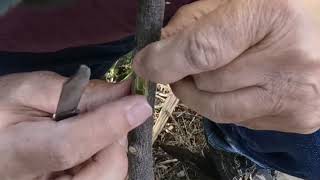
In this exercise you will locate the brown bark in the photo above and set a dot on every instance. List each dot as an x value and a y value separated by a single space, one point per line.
149 24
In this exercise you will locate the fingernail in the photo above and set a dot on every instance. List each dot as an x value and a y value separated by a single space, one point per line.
138 113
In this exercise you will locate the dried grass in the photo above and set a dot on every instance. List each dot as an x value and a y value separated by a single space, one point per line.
183 129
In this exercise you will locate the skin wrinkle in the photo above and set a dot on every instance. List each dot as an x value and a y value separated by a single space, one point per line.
202 54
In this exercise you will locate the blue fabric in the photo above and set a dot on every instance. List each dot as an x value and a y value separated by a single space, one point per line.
294 154
298 155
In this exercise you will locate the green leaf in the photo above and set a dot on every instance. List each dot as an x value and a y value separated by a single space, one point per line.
121 70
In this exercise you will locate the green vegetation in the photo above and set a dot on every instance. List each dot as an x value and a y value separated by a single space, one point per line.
122 70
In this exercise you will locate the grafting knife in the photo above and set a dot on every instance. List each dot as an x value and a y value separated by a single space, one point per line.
71 93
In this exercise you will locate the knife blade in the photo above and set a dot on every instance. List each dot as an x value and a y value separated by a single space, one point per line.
71 93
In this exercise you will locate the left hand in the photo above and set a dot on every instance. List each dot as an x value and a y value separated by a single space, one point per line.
89 146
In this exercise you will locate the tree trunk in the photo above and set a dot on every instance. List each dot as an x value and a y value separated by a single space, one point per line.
149 24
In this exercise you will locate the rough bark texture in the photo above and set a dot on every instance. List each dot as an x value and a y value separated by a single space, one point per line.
149 24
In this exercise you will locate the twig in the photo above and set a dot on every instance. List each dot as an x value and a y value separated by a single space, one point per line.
168 161
168 107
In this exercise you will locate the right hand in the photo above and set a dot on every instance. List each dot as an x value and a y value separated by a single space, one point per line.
253 63
85 147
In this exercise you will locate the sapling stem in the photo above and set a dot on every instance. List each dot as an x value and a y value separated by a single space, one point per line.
140 86
149 24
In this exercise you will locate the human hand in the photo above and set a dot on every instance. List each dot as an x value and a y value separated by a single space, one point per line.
252 63
189 14
85 147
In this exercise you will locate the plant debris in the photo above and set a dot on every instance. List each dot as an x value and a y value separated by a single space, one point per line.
183 129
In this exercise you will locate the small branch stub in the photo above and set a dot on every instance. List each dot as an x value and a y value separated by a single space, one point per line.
132 150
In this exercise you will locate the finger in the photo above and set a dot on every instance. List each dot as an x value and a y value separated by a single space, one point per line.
230 107
241 73
189 14
39 90
80 137
99 92
58 146
26 90
210 43
29 98
110 163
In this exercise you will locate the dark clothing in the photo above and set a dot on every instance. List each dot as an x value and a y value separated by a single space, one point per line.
294 154
65 62
80 23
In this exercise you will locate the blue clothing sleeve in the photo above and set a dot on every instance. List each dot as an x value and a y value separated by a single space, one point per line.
294 154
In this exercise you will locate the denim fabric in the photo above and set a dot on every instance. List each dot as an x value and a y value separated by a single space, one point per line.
297 155
294 154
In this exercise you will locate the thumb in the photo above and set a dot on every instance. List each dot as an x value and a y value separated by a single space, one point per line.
212 42
68 143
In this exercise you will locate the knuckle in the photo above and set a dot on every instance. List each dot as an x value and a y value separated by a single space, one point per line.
276 104
201 52
297 94
151 58
283 88
272 104
220 114
274 96
303 87
308 88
